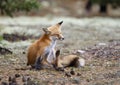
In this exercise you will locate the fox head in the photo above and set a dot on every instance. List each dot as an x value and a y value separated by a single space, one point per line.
55 30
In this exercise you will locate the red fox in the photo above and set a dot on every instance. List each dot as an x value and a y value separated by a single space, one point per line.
43 50
66 61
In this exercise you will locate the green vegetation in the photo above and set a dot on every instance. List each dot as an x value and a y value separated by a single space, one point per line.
9 7
1 38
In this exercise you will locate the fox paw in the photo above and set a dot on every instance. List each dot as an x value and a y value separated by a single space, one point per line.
60 69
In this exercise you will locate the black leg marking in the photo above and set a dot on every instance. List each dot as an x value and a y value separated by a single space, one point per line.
57 53
38 65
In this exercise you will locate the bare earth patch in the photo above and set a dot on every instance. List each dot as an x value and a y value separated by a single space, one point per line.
94 40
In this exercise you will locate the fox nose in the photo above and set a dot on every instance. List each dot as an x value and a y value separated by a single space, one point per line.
62 38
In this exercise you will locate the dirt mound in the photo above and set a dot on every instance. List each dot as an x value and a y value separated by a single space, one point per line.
17 37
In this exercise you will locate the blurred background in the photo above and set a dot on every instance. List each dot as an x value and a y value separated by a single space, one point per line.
94 19
71 8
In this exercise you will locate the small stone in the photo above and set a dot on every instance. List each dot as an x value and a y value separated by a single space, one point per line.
78 74
14 80
76 81
67 74
28 79
88 80
23 52
72 72
17 75
10 78
24 79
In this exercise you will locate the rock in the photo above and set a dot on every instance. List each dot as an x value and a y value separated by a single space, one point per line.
24 79
82 62
80 51
76 81
67 74
10 78
28 79
72 72
88 80
14 80
78 74
17 75
24 52
102 44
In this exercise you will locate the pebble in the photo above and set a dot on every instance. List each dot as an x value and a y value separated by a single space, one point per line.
24 52
72 72
67 74
24 79
78 74
76 80
14 80
10 78
17 75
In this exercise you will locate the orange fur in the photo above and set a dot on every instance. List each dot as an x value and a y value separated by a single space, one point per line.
39 46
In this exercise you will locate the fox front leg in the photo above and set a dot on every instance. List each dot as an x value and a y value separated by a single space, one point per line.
38 64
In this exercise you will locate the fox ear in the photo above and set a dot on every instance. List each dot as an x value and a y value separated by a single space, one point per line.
57 53
46 31
60 22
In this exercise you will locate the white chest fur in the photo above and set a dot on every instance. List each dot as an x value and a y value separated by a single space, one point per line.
50 51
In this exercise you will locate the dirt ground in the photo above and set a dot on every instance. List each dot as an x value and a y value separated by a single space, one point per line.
95 39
